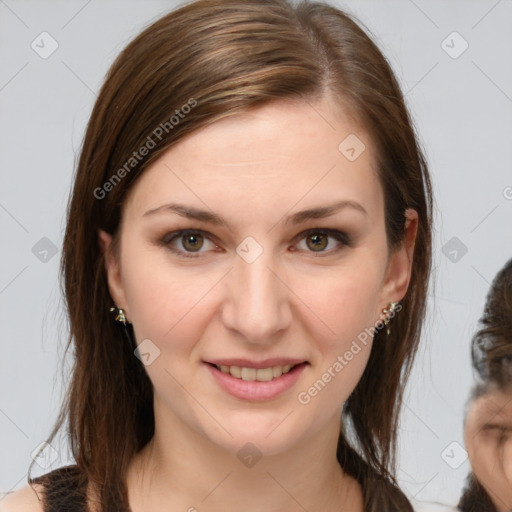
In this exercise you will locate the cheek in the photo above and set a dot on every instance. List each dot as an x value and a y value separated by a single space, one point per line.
489 463
477 444
165 302
346 306
346 300
491 472
171 303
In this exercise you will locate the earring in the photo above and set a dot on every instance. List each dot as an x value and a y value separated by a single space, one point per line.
389 313
121 317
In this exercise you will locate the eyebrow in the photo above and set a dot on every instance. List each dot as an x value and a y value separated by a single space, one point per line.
497 426
320 212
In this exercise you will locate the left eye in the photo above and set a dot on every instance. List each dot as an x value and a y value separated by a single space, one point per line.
317 240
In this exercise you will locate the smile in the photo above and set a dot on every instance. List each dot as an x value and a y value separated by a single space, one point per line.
259 374
247 386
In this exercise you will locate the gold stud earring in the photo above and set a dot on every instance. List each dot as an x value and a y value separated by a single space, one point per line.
389 313
121 317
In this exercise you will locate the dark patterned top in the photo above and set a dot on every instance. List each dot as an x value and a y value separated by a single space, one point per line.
62 490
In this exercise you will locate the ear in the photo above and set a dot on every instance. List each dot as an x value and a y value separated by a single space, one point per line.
113 271
398 273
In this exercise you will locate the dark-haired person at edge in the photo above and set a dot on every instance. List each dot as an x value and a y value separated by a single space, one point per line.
488 423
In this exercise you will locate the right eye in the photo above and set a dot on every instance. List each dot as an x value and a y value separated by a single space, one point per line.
192 241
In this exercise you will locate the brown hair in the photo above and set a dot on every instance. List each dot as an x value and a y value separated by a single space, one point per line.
224 57
491 346
491 355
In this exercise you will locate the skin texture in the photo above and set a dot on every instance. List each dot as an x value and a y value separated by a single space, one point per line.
254 170
488 438
25 499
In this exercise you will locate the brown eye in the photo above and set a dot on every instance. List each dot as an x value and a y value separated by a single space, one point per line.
188 243
317 241
192 242
323 241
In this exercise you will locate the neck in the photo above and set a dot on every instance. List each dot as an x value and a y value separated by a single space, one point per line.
185 469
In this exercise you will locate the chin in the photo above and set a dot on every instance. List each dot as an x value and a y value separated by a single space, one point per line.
263 437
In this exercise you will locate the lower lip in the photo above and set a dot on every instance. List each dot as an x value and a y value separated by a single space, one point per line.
256 391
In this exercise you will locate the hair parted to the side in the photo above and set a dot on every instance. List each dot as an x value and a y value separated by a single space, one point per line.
226 57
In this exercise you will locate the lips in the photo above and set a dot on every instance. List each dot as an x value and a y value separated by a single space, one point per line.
254 390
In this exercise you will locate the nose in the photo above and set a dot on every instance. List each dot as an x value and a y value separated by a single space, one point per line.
257 303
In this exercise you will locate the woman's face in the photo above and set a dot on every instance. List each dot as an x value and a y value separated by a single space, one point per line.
264 283
488 437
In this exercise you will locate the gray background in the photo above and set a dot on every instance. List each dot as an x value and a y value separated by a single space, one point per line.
463 112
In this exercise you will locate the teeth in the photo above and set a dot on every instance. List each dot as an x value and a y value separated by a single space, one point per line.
235 371
252 374
249 373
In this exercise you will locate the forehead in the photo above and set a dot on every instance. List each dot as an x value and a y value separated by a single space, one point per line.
496 404
272 157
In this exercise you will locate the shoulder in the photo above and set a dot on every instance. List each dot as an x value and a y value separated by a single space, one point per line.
26 499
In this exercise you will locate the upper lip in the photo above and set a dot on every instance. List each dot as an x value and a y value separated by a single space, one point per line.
246 363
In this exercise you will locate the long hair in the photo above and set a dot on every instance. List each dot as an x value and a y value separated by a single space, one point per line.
205 61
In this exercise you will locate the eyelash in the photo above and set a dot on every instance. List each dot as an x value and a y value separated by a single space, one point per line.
504 434
340 236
